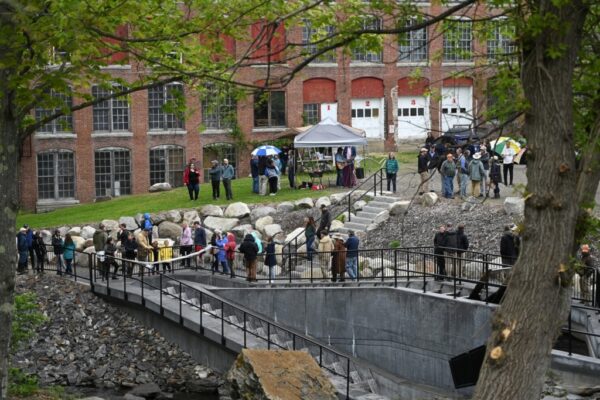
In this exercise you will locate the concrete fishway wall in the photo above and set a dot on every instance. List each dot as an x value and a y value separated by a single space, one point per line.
402 331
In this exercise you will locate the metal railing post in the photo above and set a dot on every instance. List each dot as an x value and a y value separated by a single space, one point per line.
424 275
201 313
347 378
143 299
396 268
75 266
245 330
91 267
222 323
268 336
570 335
180 305
381 183
348 210
487 281
160 287
320 356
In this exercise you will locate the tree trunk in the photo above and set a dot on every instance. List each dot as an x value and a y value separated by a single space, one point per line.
9 204
537 301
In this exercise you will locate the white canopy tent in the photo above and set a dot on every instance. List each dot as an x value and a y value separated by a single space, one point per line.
329 133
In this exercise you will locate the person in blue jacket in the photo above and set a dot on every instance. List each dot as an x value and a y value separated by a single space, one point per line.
222 254
69 254
147 226
352 244
23 251
270 258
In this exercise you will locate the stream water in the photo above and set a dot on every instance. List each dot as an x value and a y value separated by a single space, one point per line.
109 394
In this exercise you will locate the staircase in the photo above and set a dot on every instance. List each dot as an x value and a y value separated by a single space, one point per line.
362 384
374 213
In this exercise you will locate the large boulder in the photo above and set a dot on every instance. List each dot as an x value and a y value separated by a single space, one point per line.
242 230
79 242
160 187
336 225
237 210
110 225
323 201
429 199
272 230
82 259
262 222
75 231
64 230
336 198
190 217
399 207
514 206
139 219
305 203
211 210
129 222
146 390
296 236
285 207
277 374
158 218
381 217
46 236
87 232
168 229
173 216
222 224
261 211
359 205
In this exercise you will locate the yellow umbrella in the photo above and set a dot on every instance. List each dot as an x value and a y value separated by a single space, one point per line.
500 144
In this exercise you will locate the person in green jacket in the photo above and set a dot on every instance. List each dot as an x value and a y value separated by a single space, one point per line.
391 169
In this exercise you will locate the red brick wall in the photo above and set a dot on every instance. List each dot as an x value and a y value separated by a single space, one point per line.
318 90
369 87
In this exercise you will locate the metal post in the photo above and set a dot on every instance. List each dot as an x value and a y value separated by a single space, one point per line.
91 267
424 277
349 213
570 335
312 254
293 342
143 299
245 329
381 183
180 305
201 313
290 265
382 267
268 336
347 378
454 276
396 268
160 287
487 281
222 323
75 267
320 356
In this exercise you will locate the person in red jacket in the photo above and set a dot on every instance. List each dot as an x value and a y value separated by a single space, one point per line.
230 252
191 178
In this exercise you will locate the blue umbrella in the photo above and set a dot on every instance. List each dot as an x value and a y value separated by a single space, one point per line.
266 150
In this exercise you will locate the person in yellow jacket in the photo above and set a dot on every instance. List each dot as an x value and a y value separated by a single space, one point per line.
144 247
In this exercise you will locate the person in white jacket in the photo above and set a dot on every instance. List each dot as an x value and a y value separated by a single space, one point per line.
508 157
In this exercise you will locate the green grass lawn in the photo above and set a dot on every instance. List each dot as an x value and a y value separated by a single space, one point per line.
178 198
163 201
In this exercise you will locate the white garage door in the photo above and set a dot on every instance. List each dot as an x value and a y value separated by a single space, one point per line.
367 114
413 117
456 107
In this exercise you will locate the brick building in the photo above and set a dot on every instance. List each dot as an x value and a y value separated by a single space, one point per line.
123 146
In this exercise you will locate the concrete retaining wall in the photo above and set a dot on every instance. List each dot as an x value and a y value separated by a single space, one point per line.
402 331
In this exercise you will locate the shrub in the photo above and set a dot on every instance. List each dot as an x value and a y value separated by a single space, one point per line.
394 244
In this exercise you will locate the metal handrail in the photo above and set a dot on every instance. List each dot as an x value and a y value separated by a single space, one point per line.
243 325
349 196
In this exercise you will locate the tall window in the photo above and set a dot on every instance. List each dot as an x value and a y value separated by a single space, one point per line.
361 53
113 172
110 115
56 175
412 45
501 43
311 113
58 101
458 40
311 38
269 109
167 165
162 107
218 108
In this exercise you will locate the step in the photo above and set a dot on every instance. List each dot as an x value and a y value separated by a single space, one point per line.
365 214
374 210
355 226
379 204
386 199
360 220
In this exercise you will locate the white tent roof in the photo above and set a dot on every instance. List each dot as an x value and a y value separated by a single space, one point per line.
329 133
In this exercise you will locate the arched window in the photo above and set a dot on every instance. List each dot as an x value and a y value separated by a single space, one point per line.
113 171
167 164
56 175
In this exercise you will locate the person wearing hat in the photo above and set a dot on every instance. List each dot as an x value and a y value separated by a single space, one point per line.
423 170
585 274
495 176
214 173
476 173
338 259
351 245
23 251
325 222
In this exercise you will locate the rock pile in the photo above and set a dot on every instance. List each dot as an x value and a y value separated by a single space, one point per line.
87 342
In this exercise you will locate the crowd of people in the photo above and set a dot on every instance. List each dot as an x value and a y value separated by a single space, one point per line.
476 170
